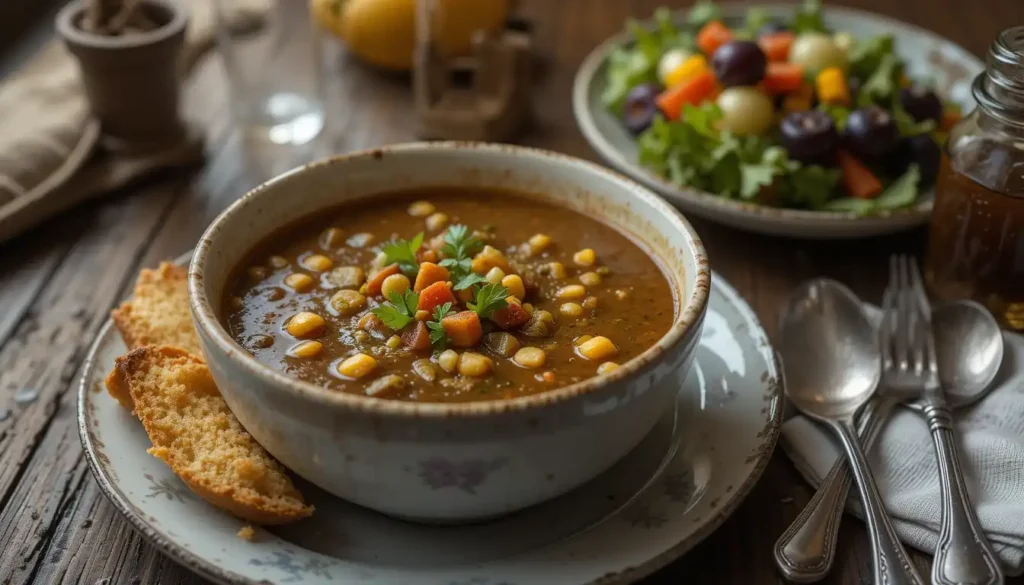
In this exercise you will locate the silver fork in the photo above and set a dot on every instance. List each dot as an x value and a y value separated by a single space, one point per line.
962 555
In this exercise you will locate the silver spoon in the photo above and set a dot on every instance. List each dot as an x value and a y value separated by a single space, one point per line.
832 367
806 550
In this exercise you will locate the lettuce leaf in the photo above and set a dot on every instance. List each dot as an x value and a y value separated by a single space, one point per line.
807 18
637 63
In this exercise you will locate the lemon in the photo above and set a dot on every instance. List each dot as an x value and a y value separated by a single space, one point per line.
383 32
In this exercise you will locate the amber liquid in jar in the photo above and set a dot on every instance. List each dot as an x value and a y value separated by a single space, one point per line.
976 244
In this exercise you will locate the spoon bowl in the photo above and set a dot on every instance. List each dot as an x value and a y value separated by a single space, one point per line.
837 365
969 350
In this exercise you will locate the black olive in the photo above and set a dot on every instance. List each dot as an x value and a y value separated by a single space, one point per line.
641 107
871 133
809 137
921 103
739 63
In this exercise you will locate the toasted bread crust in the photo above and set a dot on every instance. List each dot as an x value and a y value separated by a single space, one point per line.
195 433
158 312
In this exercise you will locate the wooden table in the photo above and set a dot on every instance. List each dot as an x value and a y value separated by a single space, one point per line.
58 283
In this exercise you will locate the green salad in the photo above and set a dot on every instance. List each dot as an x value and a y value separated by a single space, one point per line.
778 112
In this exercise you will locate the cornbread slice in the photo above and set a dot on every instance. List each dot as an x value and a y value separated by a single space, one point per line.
195 433
158 312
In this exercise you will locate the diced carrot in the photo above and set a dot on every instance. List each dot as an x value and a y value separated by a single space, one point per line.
776 45
511 316
425 254
436 295
713 35
463 329
783 78
429 274
799 100
949 119
691 91
858 179
417 336
376 280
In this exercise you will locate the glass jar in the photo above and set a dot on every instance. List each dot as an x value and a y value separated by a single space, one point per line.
976 242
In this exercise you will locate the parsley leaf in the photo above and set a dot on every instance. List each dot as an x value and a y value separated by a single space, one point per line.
866 55
459 243
703 12
399 311
438 336
403 253
489 299
468 281
901 192
808 18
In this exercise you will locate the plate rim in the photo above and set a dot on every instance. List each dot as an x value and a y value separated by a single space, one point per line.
187 558
776 221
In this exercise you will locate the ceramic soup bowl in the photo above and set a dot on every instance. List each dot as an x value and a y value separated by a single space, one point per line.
451 462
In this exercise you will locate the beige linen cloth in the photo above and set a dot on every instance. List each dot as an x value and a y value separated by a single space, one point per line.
51 153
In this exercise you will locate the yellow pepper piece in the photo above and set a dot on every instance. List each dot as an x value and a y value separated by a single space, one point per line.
692 66
832 87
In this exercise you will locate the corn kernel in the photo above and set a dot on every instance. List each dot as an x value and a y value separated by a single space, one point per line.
361 336
347 302
318 263
548 377
530 357
332 238
538 243
597 348
494 275
306 349
689 68
393 342
581 340
421 209
556 270
448 360
299 282
437 221
360 240
277 262
590 278
603 270
514 284
380 260
396 283
573 310
590 303
357 366
572 292
475 365
585 257
607 367
305 324
621 295
528 308
257 273
488 258
422 315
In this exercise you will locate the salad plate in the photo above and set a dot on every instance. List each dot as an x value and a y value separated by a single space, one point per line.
821 212
683 480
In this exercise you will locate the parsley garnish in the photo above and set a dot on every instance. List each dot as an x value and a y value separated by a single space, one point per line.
469 280
438 336
459 247
403 253
399 311
489 299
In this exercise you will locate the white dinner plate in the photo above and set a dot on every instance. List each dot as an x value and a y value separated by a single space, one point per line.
673 490
928 56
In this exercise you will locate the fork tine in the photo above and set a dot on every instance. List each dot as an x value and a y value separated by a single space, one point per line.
885 329
929 360
901 326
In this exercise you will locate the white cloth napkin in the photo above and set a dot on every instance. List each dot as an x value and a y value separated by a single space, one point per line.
991 435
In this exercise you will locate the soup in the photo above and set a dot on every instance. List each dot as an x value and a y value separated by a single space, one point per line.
446 295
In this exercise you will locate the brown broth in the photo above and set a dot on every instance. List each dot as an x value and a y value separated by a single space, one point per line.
635 305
